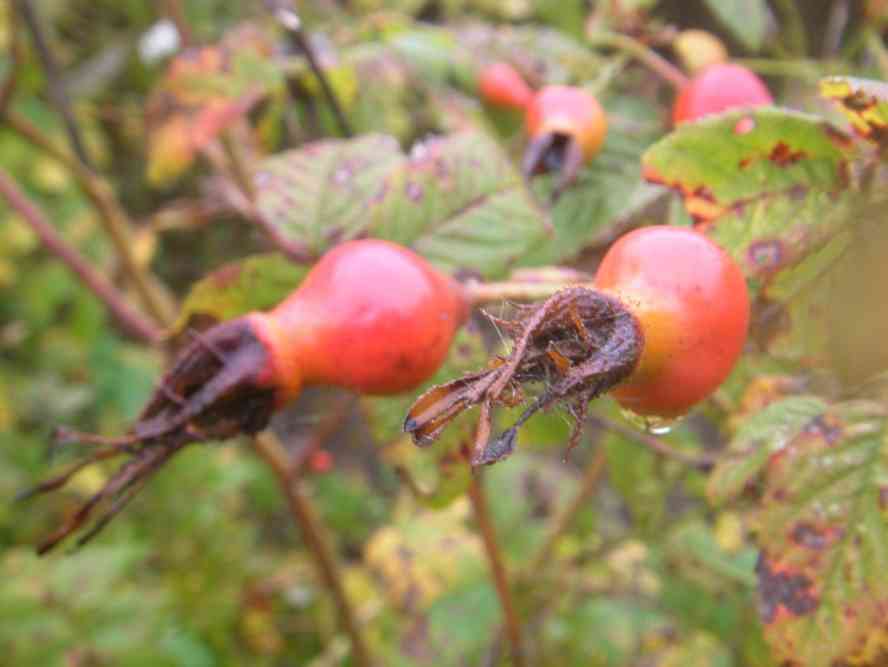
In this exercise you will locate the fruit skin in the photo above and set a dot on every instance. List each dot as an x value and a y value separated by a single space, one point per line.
698 49
569 111
370 316
692 304
501 85
718 88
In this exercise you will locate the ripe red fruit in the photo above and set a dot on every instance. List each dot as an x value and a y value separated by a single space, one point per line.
691 301
501 85
371 316
566 126
718 88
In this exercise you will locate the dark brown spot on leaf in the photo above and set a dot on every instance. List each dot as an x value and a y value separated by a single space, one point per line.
781 589
783 156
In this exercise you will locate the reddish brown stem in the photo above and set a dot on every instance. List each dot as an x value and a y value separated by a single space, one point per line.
130 319
497 567
55 86
562 523
644 54
111 214
657 445
305 516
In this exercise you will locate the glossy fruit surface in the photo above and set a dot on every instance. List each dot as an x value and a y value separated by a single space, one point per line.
718 88
501 85
692 304
370 316
568 111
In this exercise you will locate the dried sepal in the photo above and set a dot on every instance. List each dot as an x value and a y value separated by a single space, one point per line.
577 344
215 389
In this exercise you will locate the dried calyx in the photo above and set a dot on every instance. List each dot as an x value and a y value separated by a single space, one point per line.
215 390
576 345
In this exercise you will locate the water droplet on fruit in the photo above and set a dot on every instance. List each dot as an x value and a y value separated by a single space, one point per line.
652 425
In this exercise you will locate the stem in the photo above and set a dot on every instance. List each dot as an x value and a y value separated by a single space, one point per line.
795 26
131 320
305 516
289 19
645 55
563 521
654 443
112 215
16 56
497 567
800 69
55 86
877 48
479 293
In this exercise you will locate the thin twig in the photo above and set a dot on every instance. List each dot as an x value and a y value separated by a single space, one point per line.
644 54
497 567
563 522
794 22
130 319
112 215
304 514
655 444
287 16
58 95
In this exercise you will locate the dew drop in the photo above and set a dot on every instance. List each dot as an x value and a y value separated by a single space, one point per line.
652 425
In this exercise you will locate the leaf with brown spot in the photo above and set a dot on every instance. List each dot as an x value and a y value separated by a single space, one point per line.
863 101
730 160
824 540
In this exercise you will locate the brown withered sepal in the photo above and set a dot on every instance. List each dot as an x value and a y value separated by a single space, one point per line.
577 344
215 389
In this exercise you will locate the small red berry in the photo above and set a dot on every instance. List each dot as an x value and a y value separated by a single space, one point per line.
321 461
718 88
691 301
501 85
566 127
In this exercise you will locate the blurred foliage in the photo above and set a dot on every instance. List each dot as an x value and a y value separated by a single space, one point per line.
773 556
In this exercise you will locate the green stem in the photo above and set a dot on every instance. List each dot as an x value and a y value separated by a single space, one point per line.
644 54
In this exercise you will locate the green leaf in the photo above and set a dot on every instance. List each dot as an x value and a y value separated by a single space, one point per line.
759 437
607 190
746 19
255 283
824 540
728 161
462 622
457 199
863 101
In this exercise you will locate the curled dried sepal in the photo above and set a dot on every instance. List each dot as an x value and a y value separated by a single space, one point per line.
577 344
216 388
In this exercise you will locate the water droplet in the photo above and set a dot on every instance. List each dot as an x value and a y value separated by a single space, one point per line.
652 425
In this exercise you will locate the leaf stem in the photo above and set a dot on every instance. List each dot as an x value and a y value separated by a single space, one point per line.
112 215
304 514
478 293
644 54
658 445
287 16
58 95
497 567
131 320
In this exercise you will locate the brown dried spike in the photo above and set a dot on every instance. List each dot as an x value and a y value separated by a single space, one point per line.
578 344
214 390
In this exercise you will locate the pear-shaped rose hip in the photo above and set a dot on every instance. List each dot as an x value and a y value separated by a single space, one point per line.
501 85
